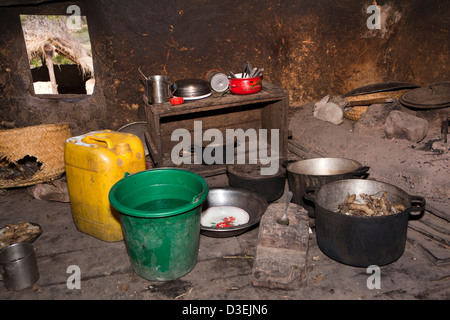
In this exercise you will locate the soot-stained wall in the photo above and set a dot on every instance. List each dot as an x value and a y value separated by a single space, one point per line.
310 48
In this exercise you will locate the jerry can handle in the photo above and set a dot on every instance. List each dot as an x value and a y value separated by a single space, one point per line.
106 140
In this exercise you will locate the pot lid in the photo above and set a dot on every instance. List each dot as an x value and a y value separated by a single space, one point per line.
192 88
434 96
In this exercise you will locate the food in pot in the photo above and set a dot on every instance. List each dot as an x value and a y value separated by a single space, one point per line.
15 233
369 205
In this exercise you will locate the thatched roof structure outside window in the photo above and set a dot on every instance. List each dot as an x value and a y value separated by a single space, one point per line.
44 34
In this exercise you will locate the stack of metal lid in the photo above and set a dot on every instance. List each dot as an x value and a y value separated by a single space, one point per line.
192 89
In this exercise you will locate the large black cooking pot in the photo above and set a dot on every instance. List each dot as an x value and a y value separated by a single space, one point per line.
313 173
249 177
362 241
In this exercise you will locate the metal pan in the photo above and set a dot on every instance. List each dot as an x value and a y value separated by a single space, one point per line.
380 87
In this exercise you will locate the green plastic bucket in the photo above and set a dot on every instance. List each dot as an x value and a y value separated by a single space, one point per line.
160 216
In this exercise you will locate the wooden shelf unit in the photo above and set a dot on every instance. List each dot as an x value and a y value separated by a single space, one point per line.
267 109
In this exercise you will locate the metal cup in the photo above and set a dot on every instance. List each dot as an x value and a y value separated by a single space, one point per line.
18 266
158 89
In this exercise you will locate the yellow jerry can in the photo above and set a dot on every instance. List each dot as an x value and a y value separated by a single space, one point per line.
94 162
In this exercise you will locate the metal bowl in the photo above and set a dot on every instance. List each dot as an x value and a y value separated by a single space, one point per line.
254 204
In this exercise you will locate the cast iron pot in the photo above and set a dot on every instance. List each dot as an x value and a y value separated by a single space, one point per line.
211 150
362 241
316 172
249 177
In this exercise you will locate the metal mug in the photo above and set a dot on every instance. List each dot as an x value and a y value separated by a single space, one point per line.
158 89
18 266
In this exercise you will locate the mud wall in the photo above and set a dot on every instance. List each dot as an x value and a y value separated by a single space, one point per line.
311 48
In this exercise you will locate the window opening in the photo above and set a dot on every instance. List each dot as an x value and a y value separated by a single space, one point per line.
60 54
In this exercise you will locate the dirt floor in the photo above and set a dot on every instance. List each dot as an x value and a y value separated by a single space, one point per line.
223 270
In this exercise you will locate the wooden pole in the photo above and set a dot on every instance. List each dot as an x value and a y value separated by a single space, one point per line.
49 53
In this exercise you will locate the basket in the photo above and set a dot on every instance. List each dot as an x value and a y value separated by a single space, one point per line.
355 113
43 143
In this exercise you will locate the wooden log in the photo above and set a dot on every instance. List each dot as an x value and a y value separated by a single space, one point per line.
281 252
49 53
302 151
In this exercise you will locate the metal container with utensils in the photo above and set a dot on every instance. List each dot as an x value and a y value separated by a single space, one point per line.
18 266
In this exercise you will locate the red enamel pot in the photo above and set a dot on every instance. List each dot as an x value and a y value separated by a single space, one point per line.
246 85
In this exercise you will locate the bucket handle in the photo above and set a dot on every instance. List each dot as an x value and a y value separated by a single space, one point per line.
198 196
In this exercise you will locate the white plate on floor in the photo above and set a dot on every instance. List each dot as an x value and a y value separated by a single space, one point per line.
224 216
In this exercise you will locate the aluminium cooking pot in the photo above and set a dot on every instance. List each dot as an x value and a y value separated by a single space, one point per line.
362 241
315 172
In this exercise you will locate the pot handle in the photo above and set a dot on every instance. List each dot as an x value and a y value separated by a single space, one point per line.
285 162
361 171
309 194
417 205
